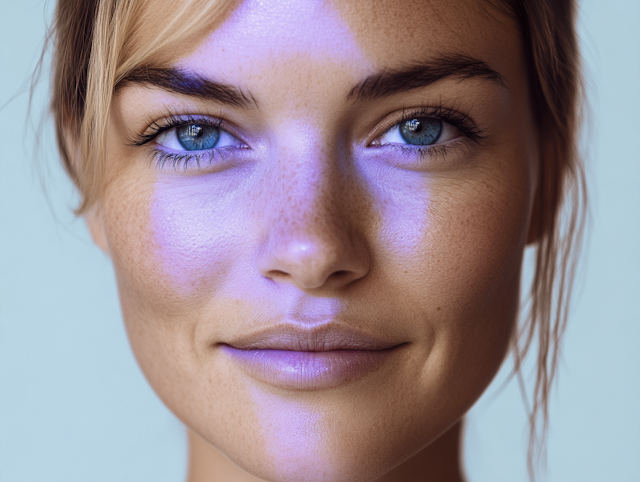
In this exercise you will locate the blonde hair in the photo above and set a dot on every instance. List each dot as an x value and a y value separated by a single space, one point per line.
99 42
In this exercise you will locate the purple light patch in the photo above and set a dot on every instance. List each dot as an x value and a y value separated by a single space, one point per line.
193 231
292 434
287 26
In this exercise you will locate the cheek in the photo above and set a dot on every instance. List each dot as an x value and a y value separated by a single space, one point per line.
193 235
453 241
481 249
176 243
477 277
454 257
476 239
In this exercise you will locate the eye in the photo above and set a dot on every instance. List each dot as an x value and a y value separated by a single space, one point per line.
419 131
196 136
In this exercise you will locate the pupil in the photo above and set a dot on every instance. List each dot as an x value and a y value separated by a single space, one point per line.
198 137
414 125
194 130
421 131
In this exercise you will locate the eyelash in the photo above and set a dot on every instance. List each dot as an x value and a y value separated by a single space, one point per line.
460 121
176 160
454 117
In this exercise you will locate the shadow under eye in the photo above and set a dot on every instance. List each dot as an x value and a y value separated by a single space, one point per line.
421 131
198 137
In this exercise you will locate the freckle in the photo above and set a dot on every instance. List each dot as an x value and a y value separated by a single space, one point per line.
438 308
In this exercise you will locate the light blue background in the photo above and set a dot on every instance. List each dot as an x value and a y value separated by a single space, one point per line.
74 406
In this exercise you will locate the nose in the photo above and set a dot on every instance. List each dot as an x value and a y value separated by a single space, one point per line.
314 234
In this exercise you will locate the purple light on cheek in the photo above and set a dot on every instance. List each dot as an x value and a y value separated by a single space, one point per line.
405 232
192 232
404 205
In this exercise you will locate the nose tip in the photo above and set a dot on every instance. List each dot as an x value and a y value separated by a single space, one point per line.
334 261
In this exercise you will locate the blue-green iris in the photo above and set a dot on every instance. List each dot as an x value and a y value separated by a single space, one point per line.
421 131
198 137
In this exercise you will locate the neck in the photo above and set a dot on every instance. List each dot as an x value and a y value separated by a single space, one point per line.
440 462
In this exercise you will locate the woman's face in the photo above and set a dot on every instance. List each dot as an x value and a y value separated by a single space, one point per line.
317 220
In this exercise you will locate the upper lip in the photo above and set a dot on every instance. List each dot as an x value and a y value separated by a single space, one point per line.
318 338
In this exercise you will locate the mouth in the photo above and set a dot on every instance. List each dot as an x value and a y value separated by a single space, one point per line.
294 358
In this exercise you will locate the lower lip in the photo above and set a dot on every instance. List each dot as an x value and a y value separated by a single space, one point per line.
307 370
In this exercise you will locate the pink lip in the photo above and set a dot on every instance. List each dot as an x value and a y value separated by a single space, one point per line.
298 359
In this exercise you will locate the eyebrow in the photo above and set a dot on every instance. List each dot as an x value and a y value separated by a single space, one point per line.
381 84
394 81
178 81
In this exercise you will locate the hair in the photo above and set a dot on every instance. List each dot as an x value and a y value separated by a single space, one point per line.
98 42
552 56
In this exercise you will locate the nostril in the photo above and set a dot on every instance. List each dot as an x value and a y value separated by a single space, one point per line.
277 275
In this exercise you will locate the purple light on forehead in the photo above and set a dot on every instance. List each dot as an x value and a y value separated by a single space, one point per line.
310 27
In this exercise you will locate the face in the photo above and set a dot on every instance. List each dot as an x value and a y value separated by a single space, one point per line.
317 219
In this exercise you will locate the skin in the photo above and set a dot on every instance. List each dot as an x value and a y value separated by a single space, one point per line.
314 221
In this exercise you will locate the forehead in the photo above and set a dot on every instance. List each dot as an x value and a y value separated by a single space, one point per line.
355 36
387 28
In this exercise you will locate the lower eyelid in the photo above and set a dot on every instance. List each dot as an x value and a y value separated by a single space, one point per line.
188 160
450 155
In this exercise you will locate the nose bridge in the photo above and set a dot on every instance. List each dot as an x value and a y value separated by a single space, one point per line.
311 237
308 198
308 172
310 194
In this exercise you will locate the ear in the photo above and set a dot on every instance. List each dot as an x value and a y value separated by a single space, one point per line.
94 220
